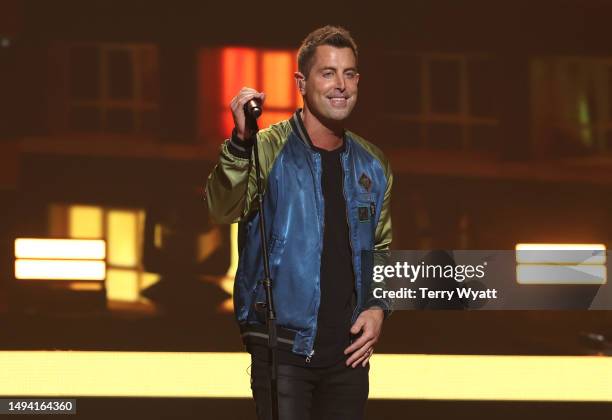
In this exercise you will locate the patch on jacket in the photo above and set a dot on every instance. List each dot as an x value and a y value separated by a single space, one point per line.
365 182
364 214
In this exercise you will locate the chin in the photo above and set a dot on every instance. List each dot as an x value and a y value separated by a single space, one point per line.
325 112
337 114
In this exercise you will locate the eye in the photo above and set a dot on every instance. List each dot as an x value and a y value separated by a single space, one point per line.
328 74
350 74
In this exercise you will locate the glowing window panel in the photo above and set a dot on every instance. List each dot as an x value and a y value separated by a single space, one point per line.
239 69
60 248
122 285
123 229
223 72
278 84
223 375
122 238
59 270
85 222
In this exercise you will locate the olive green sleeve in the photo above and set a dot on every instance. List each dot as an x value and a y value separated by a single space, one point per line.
230 187
383 235
231 190
382 242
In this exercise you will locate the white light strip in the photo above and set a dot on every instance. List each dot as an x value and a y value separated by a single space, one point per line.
574 256
59 270
560 247
218 375
560 274
70 249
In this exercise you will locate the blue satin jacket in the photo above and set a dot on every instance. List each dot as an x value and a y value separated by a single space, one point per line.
294 208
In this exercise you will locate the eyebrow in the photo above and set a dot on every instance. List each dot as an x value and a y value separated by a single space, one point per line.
334 68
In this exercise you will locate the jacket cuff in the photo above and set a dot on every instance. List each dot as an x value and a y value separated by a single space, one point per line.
381 304
240 148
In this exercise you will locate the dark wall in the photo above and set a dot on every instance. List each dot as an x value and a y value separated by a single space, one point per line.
555 26
512 31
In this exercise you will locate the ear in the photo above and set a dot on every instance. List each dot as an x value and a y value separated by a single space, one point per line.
300 81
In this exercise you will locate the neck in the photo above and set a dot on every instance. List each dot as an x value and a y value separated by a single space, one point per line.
324 135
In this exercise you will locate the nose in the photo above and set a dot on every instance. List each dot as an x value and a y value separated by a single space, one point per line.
340 82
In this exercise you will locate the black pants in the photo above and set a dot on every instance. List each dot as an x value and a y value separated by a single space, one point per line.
338 392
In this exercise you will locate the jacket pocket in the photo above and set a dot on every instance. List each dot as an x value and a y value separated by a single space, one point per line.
363 211
276 246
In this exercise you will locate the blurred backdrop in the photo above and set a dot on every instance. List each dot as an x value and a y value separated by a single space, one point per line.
496 116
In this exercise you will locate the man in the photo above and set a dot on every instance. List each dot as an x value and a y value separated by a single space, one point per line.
327 198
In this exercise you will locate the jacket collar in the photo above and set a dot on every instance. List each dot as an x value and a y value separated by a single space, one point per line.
297 124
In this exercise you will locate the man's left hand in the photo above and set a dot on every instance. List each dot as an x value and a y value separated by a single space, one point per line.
370 323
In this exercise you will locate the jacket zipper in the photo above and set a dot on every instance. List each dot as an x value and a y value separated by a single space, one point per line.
317 158
346 210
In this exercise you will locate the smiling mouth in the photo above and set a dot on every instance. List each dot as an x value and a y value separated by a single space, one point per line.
338 101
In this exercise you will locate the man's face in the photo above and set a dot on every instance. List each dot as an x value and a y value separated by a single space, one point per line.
330 90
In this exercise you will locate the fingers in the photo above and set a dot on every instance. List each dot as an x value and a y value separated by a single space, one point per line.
361 356
367 359
367 335
359 343
359 361
358 325
363 360
237 107
245 95
359 353
363 344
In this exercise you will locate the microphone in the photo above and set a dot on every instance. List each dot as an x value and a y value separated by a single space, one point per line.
253 108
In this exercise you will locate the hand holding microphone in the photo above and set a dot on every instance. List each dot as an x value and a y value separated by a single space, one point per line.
247 101
253 108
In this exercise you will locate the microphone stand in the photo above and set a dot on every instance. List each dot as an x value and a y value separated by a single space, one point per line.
251 121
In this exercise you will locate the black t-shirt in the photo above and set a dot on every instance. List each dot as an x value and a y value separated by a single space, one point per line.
337 277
